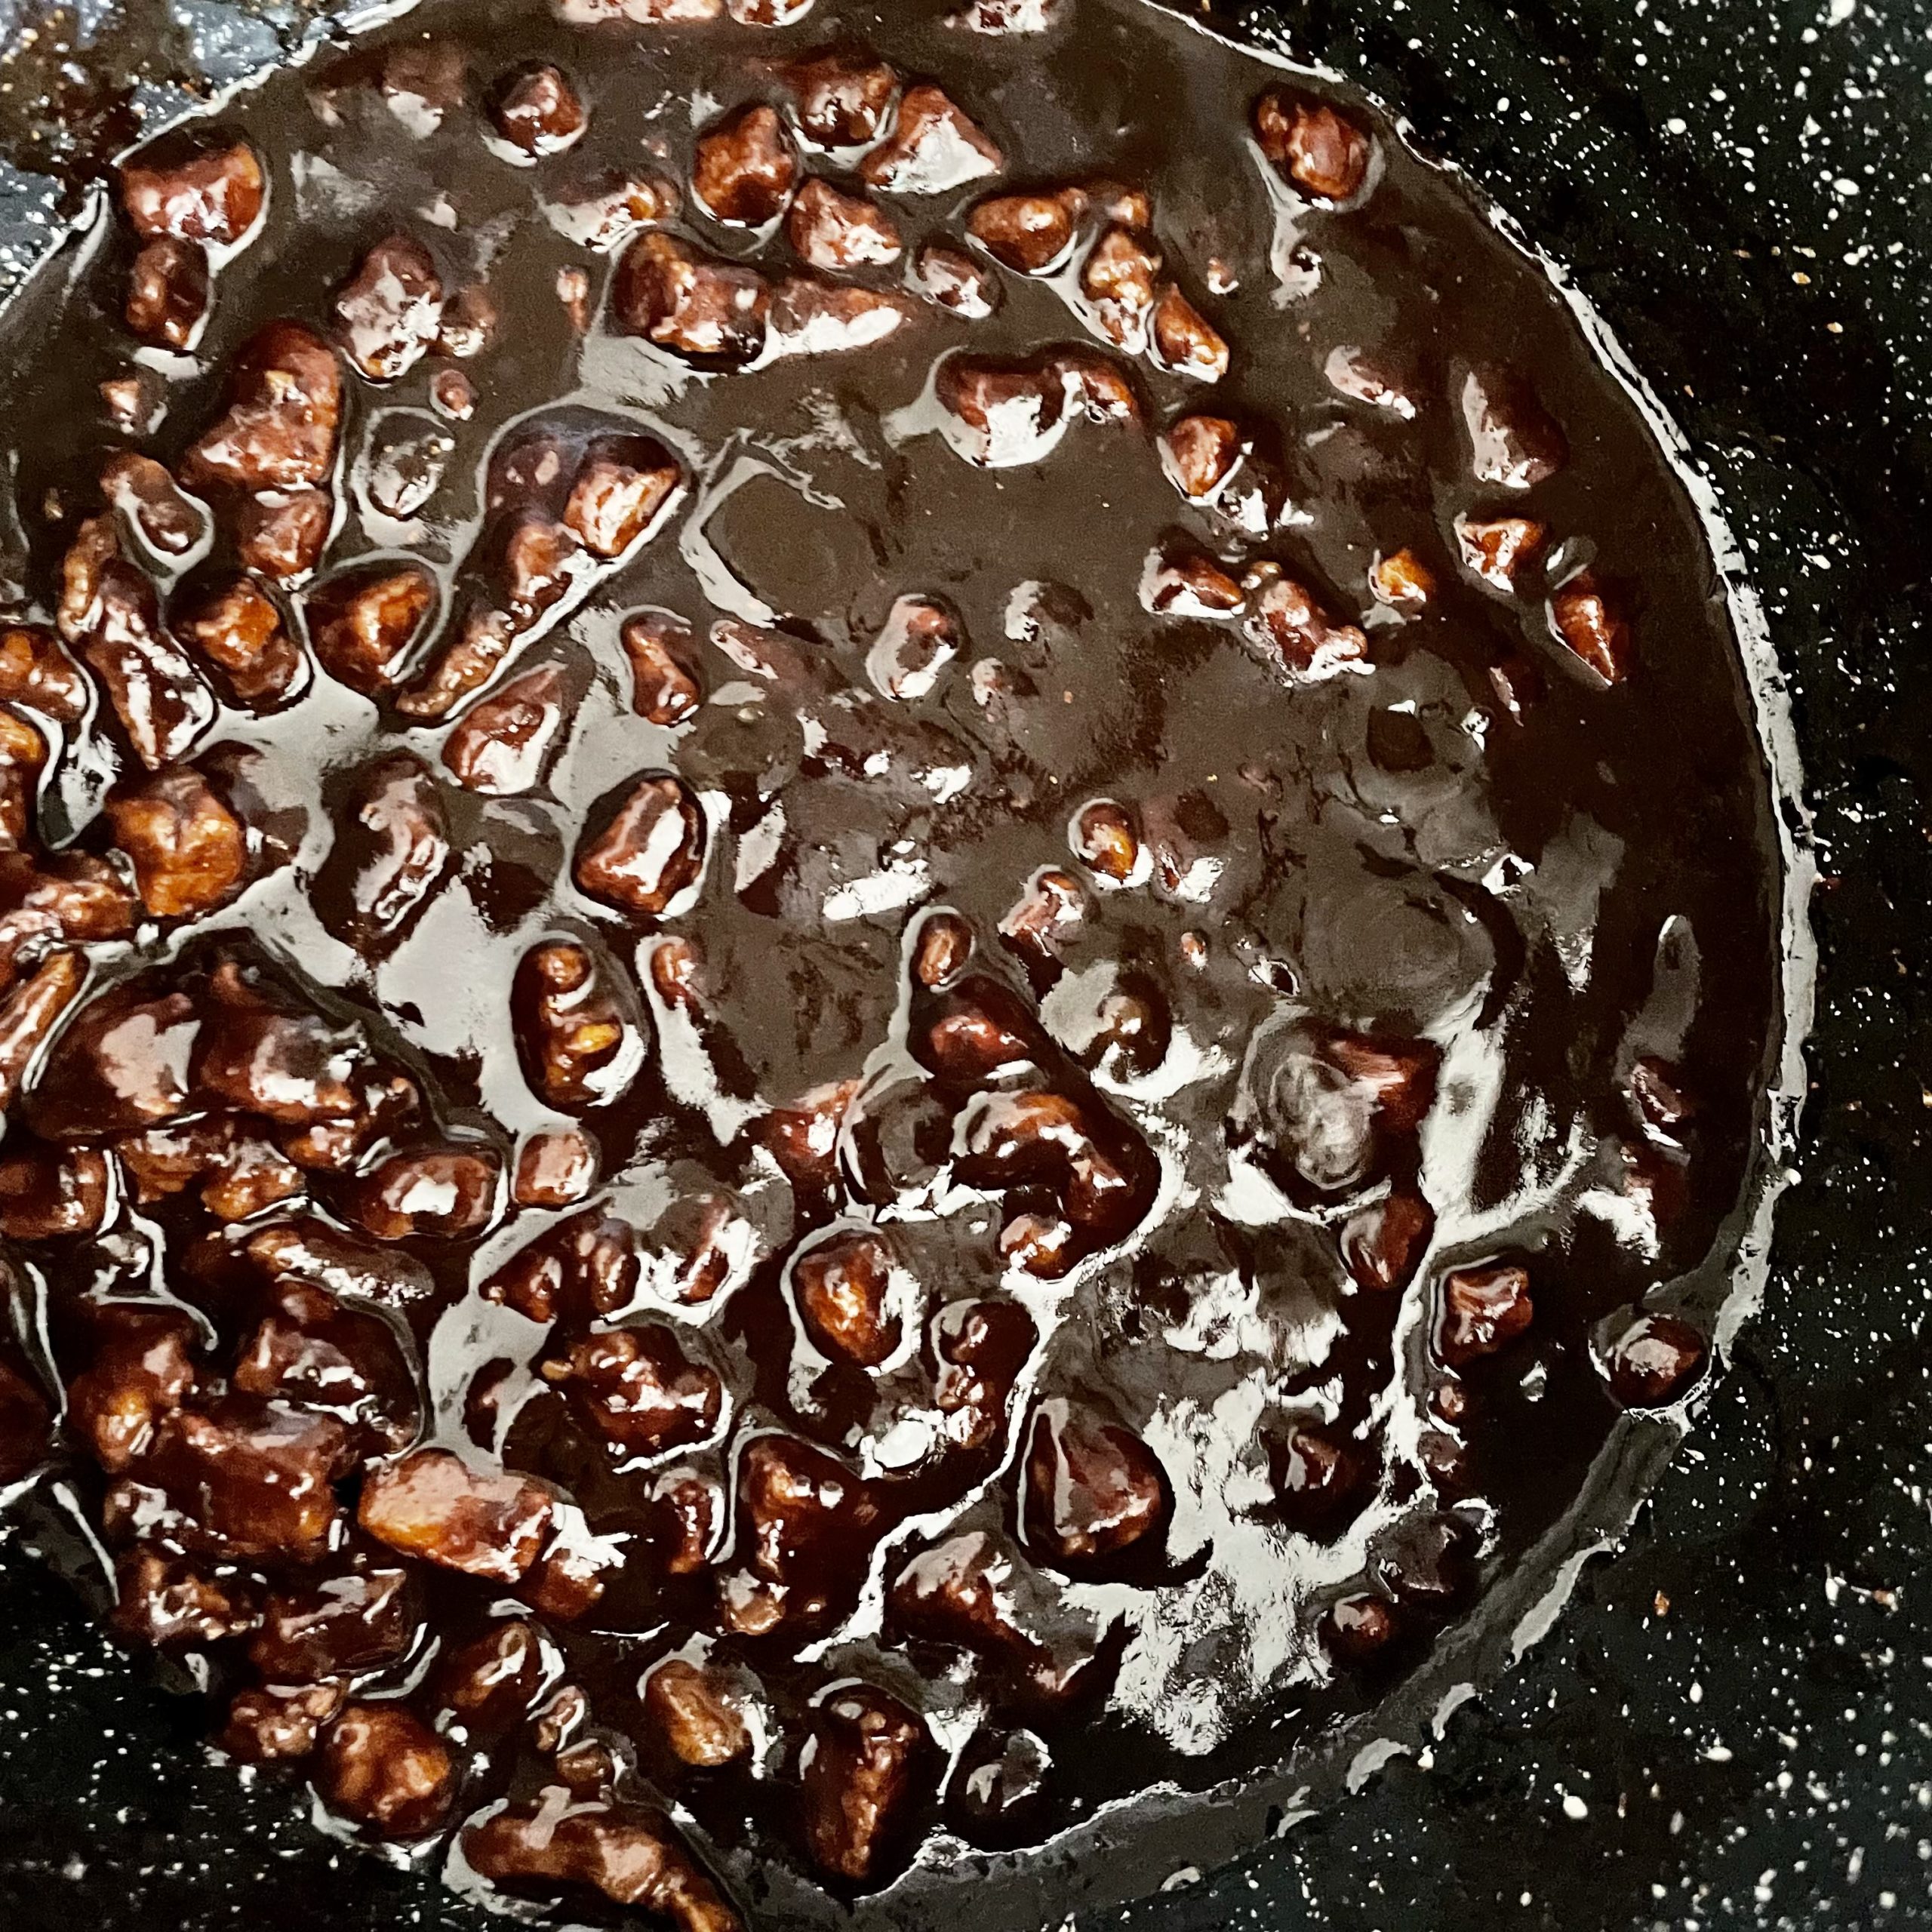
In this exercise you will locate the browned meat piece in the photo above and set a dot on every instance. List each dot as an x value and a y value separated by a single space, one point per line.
246 1478
36 672
122 1064
189 850
683 301
695 1711
1484 1310
241 631
285 406
312 1353
502 745
830 230
164 1600
485 1523
651 850
744 168
659 647
579 1047
193 190
843 1286
934 148
391 847
538 111
842 96
381 1765
271 1726
336 1626
867 1763
631 1859
167 292
282 534
442 1193
364 622
49 1192
1311 146
640 1389
620 488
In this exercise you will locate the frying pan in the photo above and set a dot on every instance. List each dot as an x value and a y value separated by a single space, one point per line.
1730 1723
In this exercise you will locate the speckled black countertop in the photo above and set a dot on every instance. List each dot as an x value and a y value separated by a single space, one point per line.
1731 1725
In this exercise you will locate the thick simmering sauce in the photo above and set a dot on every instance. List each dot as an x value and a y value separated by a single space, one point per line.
885 920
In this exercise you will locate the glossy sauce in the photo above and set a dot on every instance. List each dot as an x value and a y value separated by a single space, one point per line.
855 1067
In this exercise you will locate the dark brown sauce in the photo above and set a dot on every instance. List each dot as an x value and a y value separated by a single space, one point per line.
1008 1093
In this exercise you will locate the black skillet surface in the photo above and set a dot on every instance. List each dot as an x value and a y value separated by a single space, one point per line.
1732 1725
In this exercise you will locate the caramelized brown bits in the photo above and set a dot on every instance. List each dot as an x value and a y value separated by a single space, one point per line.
689 304
502 745
432 1504
538 111
651 850
618 491
694 1712
843 1285
1092 1488
389 312
660 647
933 148
1028 232
745 168
633 1860
1654 1361
841 96
1185 342
1312 145
383 1766
187 846
953 280
284 404
1513 442
167 292
1588 623
857 1781
1484 1310
193 191
1199 453
1497 550
833 231
1104 840
363 622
